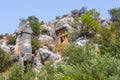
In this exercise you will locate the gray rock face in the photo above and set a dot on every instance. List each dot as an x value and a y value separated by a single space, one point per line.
4 46
75 13
106 23
82 11
12 48
81 41
23 41
78 13
24 27
47 38
50 30
37 64
64 23
43 55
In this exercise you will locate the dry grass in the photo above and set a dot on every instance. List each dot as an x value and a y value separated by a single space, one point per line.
59 47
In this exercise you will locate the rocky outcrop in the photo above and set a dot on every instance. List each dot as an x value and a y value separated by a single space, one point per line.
23 40
106 23
45 55
78 13
45 38
62 30
64 23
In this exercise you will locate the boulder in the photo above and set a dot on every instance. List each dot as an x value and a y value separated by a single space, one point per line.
64 23
75 13
81 41
50 30
106 23
46 38
46 54
4 45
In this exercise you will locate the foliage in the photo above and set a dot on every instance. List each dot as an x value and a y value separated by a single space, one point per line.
35 44
79 63
93 13
84 65
77 53
86 25
1 36
89 21
115 13
35 25
16 72
115 17
2 77
109 41
5 61
11 40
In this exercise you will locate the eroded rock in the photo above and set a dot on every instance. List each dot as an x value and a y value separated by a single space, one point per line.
4 45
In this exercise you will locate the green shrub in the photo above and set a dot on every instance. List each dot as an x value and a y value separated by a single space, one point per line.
5 61
11 40
79 63
110 41
35 44
2 77
16 72
35 25
83 65
1 36
77 53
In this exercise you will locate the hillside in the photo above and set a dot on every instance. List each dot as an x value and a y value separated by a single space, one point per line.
76 46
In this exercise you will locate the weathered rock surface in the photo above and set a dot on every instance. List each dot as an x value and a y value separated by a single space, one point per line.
45 38
106 23
44 55
64 23
81 41
23 41
4 46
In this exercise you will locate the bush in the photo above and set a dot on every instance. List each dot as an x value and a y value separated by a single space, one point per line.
35 25
35 44
82 64
2 77
5 61
11 40
77 53
17 72
1 36
79 63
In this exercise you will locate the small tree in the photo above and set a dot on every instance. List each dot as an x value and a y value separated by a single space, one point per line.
88 19
35 25
114 13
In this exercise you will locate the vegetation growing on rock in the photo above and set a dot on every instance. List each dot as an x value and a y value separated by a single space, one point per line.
77 62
